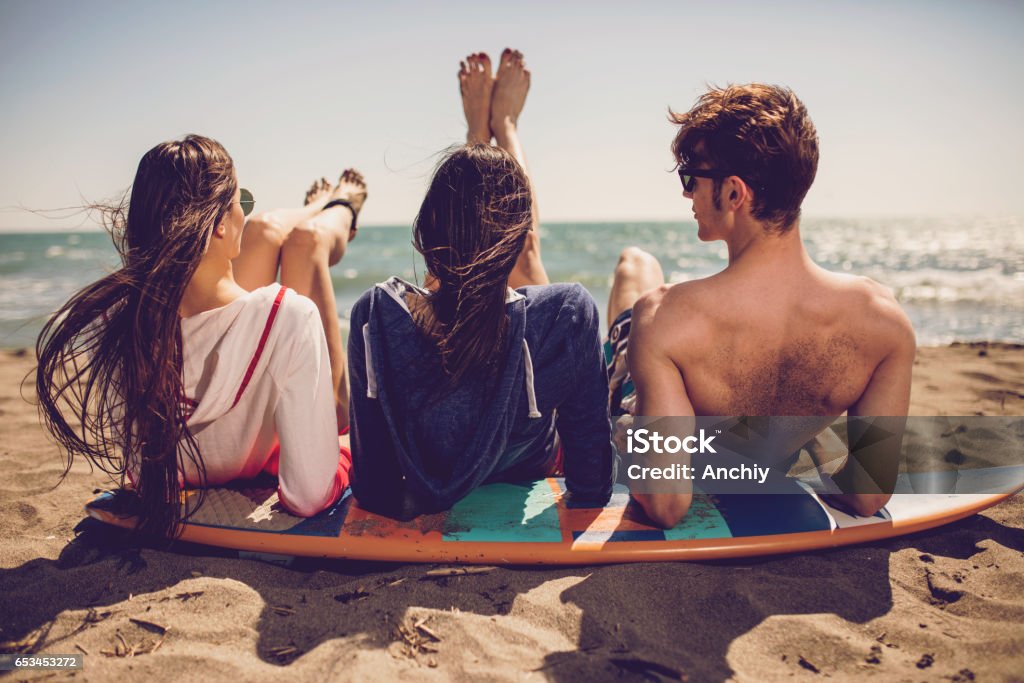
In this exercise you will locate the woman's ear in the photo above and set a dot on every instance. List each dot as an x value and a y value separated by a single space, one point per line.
222 228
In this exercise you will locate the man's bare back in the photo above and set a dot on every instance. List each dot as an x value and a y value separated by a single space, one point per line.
774 343
773 334
771 339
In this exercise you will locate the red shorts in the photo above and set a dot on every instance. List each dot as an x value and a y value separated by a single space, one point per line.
341 475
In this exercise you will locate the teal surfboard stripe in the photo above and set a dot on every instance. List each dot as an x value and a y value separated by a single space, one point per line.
506 513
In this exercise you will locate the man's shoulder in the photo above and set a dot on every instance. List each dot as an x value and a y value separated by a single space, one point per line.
873 307
857 285
676 310
671 300
873 296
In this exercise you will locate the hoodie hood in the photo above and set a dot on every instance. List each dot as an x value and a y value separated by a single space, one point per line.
445 443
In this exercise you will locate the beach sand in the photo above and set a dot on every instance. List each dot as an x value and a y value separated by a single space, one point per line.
946 604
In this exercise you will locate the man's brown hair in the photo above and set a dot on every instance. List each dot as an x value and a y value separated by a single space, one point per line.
762 134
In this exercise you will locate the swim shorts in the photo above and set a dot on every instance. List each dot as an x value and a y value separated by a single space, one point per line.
621 391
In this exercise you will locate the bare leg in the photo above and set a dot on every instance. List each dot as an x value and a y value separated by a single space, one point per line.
475 85
511 84
265 233
636 272
311 248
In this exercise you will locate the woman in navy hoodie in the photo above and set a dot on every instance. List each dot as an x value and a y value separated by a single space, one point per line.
468 380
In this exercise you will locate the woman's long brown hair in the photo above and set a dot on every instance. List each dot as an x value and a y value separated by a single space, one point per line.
111 358
471 229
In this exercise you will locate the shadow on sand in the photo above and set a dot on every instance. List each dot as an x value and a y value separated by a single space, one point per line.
639 621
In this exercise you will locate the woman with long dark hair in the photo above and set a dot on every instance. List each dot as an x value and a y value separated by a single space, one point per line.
468 380
190 365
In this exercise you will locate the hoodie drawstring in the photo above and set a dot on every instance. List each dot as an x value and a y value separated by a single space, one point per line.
371 374
531 396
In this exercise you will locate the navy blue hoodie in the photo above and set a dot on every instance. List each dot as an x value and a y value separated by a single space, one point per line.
418 450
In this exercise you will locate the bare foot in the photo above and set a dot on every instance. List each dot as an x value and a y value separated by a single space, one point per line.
511 84
352 188
318 192
476 84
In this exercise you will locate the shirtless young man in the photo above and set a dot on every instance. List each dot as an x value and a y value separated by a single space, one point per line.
773 334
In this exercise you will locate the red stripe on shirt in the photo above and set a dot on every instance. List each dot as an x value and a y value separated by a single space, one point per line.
259 347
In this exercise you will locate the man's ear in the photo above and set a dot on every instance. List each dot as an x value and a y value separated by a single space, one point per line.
734 190
737 192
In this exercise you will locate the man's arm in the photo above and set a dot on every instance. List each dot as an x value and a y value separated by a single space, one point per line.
660 391
877 420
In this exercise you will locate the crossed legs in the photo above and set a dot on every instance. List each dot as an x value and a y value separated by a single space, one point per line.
304 243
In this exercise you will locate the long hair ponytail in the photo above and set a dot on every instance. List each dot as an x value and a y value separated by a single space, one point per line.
470 230
111 357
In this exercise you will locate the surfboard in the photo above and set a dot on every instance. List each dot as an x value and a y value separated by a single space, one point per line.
535 523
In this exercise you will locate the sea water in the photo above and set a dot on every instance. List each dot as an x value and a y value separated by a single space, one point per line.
959 279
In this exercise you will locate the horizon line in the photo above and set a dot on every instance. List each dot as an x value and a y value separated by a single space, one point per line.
95 228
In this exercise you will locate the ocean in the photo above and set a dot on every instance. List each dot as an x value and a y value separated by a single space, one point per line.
959 279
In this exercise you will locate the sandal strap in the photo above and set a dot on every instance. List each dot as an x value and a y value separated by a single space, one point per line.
348 205
340 202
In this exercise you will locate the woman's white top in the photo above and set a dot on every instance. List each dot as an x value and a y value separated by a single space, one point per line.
257 374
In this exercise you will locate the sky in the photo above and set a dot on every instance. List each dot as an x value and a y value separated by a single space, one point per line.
918 105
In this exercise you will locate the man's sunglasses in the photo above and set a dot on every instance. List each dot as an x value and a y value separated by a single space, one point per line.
247 202
688 176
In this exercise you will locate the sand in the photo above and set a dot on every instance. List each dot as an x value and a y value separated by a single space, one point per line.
941 605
